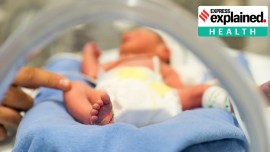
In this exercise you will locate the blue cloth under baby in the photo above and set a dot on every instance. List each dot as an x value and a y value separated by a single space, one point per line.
49 127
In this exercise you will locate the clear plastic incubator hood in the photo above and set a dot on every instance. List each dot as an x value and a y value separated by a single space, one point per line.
21 45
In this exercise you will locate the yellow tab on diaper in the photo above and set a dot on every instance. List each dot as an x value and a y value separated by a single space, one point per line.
132 73
160 88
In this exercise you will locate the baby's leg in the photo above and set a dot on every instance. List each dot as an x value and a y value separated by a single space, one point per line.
265 88
191 97
87 105
205 96
198 96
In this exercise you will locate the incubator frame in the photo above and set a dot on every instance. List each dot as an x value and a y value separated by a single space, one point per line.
164 15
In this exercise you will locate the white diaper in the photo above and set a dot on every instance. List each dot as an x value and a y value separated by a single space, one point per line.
138 96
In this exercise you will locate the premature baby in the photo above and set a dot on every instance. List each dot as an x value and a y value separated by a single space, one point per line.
139 87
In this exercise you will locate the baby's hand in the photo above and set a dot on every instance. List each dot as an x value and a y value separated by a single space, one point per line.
87 105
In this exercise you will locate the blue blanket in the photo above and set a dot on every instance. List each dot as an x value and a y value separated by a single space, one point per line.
48 127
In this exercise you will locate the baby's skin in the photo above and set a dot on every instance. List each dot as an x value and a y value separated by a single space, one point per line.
90 106
87 105
265 89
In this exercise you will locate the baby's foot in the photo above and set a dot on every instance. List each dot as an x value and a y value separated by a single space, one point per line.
265 88
101 113
87 105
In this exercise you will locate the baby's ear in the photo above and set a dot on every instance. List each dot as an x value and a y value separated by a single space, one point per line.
163 52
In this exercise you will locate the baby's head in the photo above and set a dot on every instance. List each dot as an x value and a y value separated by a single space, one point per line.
144 41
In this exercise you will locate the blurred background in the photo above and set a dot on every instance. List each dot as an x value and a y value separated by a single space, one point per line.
17 13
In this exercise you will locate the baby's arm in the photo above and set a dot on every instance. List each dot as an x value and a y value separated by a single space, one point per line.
190 96
90 64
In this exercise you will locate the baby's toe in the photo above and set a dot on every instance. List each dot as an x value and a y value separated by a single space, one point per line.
94 112
96 106
100 102
105 98
94 119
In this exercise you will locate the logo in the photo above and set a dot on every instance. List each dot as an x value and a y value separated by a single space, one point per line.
233 21
204 15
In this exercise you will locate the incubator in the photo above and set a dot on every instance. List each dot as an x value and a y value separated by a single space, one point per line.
24 43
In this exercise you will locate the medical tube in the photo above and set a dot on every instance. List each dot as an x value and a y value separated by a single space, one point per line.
164 15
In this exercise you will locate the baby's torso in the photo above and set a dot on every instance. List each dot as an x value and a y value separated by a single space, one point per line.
134 61
136 73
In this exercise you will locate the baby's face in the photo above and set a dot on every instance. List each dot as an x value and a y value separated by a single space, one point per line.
140 41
